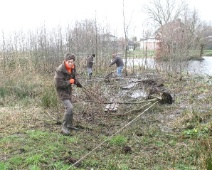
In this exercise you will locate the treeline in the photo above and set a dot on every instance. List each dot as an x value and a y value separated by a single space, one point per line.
43 49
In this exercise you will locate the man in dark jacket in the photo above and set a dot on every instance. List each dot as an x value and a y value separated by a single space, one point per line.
90 65
119 64
65 77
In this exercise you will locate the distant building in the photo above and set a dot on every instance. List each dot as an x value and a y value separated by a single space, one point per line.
149 44
131 46
171 37
117 44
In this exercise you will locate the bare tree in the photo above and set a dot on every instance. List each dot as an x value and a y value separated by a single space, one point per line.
125 35
45 48
164 11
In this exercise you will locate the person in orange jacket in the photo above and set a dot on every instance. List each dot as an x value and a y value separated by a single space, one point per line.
65 77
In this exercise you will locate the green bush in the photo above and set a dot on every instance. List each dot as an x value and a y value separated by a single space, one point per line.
49 98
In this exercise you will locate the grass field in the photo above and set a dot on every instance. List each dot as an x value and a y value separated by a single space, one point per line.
171 137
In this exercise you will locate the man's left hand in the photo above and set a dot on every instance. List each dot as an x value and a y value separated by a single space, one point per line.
78 83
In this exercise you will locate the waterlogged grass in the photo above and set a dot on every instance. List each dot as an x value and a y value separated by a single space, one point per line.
176 136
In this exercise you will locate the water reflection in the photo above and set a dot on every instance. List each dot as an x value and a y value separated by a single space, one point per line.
203 67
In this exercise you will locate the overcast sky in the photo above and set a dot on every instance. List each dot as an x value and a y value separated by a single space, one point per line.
30 14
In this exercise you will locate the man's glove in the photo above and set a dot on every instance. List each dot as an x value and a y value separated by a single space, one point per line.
71 81
78 83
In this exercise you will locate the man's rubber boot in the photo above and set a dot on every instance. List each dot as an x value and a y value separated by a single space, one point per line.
66 122
70 124
73 128
90 75
65 129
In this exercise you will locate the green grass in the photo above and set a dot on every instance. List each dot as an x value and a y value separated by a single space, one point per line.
141 53
118 140
207 53
4 166
34 148
176 136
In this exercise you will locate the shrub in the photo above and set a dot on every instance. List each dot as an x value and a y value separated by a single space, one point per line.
49 98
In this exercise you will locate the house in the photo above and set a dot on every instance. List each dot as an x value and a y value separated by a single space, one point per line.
131 45
149 43
171 37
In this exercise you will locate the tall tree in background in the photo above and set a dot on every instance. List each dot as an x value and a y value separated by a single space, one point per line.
125 36
96 44
164 11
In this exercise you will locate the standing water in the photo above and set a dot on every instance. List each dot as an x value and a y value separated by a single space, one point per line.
203 67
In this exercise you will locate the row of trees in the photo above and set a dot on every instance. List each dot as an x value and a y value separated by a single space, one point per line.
45 48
